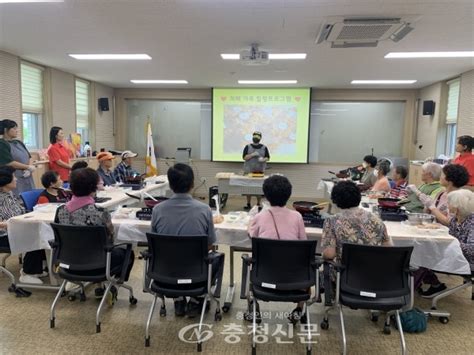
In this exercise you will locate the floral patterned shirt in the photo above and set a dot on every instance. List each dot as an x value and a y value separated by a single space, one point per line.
464 232
353 225
10 206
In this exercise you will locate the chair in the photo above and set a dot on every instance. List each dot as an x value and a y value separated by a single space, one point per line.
281 271
30 198
180 267
374 278
14 287
83 254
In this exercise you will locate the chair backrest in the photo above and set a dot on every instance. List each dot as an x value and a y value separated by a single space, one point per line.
375 271
30 198
177 259
80 247
283 264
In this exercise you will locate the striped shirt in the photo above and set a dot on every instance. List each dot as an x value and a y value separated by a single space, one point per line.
10 206
123 171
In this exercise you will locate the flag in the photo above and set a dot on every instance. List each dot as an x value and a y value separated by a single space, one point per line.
150 159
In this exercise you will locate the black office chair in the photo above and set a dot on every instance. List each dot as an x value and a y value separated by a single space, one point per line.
180 266
281 271
80 252
374 278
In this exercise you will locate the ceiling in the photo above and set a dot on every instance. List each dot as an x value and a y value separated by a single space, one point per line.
185 38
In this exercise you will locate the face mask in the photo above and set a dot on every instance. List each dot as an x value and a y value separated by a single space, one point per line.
364 164
376 172
256 140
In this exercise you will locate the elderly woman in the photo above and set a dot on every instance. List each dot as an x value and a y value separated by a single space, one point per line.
382 184
399 176
453 178
279 222
52 193
430 175
352 225
466 158
13 152
369 178
11 206
82 211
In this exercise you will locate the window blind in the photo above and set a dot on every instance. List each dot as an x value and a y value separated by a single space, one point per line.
453 101
31 88
82 104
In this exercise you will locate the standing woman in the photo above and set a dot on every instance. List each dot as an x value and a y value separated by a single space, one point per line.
14 153
466 158
58 154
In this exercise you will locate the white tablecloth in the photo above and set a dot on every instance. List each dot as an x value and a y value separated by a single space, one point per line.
239 180
435 250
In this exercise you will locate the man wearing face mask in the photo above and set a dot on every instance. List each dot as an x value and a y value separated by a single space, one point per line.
255 157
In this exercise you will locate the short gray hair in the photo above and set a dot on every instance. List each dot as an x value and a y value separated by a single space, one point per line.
463 200
433 169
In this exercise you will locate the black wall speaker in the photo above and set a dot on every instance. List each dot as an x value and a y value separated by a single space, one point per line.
104 104
428 108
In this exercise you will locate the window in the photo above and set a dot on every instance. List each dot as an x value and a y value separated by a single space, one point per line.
32 104
82 109
452 116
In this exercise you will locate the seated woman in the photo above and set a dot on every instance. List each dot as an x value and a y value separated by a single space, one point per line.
52 192
382 185
11 206
369 177
352 225
453 178
279 222
430 175
399 176
82 211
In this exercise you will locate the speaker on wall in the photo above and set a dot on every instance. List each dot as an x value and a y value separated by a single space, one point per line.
428 108
104 104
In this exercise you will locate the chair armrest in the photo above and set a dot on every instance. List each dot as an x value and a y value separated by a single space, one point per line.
337 266
247 259
212 256
318 261
52 244
411 270
145 254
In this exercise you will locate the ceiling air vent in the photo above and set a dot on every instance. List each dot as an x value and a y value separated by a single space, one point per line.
364 31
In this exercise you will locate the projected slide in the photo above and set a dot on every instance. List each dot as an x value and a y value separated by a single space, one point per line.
282 115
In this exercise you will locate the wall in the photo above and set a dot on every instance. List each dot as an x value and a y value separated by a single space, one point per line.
10 96
63 97
103 120
466 105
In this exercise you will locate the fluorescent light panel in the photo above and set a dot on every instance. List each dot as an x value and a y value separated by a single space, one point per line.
19 1
258 82
159 81
110 56
381 82
271 56
458 54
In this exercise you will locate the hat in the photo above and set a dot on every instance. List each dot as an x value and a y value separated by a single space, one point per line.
128 154
102 156
257 133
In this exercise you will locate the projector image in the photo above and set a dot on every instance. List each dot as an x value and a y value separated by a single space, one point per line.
254 56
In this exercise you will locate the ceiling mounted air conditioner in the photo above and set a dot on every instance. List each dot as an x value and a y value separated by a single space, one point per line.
364 31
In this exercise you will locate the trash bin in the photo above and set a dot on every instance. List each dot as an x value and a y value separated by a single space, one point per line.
213 190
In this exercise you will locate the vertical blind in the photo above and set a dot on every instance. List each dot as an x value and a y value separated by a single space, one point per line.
31 88
453 101
82 104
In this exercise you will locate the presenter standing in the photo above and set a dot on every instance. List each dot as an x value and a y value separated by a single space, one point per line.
255 157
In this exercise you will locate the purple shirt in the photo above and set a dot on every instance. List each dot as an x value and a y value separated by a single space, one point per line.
288 222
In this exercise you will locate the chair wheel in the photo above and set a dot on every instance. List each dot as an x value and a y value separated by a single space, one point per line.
308 352
218 316
387 330
12 288
71 298
133 300
254 350
97 328
225 308
325 324
374 317
147 342
162 311
199 347
51 323
82 297
444 320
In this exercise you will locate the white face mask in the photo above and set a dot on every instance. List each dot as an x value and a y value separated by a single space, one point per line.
364 164
376 172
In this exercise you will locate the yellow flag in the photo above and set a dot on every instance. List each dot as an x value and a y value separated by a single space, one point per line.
150 160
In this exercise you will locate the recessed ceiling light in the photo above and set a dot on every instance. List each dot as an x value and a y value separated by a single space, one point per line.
271 56
276 56
18 1
379 82
159 81
230 56
257 82
458 54
110 56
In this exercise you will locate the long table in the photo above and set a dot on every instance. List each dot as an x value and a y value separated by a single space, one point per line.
234 184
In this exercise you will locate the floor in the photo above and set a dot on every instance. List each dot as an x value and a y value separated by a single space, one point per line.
24 325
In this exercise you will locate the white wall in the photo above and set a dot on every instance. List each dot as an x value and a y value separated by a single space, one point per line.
104 120
63 105
10 96
466 105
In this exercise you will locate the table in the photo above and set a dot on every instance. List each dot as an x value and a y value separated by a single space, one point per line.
234 184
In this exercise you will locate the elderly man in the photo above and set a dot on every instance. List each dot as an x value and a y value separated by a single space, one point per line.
124 170
105 168
430 175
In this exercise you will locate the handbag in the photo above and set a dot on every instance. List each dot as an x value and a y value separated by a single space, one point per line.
414 321
275 225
